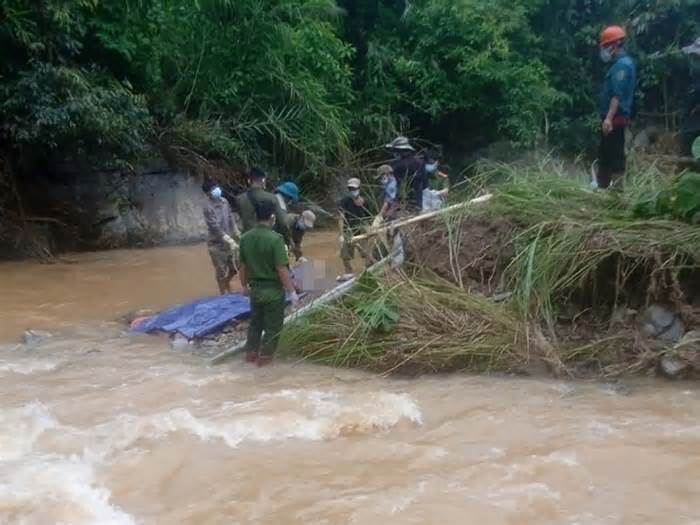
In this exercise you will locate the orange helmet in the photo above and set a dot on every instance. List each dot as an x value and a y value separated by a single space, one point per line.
611 34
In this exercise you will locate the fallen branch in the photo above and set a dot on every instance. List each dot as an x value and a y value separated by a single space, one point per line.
419 218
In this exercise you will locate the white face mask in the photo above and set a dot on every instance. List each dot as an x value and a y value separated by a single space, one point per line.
606 54
216 192
431 168
354 193
384 180
301 225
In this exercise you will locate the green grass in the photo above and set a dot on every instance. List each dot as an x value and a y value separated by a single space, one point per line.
572 248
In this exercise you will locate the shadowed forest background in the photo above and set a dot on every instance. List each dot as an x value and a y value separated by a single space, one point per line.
299 86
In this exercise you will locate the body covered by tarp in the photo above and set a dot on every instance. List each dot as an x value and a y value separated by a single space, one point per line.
198 318
209 315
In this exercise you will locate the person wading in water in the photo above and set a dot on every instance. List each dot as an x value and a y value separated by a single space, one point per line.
222 232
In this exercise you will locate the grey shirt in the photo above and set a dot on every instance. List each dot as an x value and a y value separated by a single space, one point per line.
220 221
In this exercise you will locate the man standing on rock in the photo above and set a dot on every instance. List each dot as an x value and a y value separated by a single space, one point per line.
264 278
222 232
248 202
616 105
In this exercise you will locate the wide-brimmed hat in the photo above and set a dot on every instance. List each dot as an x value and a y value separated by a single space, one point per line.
693 49
354 183
309 218
400 143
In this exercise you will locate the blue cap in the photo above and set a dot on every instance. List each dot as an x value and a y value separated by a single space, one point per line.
289 189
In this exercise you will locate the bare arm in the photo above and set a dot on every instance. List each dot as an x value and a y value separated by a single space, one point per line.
614 106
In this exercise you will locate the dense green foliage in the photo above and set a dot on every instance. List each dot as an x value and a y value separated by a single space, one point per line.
298 83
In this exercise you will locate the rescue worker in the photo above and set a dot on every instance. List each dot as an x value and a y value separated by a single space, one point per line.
408 170
248 201
222 232
616 105
287 194
437 183
298 224
354 218
390 197
691 120
265 276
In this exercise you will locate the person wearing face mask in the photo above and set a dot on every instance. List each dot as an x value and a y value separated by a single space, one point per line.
437 183
616 105
298 225
222 233
265 277
354 218
691 119
390 192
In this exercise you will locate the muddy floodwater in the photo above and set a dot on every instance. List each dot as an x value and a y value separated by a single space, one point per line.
97 427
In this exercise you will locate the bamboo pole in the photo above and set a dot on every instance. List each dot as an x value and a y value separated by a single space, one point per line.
419 218
329 296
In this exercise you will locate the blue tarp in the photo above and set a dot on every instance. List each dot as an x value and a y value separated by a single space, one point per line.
198 318
204 316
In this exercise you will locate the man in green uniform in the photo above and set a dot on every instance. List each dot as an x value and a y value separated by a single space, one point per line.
265 276
247 203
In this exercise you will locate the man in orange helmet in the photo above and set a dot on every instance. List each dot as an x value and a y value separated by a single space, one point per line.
616 105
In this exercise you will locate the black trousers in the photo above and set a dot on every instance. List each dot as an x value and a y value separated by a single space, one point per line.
611 156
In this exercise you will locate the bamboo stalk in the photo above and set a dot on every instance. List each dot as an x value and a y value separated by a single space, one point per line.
419 218
329 296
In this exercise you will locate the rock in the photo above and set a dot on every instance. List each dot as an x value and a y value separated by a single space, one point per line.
34 337
662 322
674 332
671 366
659 316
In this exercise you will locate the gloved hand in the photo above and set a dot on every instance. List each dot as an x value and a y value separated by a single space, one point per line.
227 238
302 259
294 297
232 244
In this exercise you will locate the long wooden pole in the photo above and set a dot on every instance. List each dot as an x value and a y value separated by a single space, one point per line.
419 218
329 296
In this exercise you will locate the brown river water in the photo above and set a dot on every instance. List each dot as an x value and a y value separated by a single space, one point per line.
99 427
